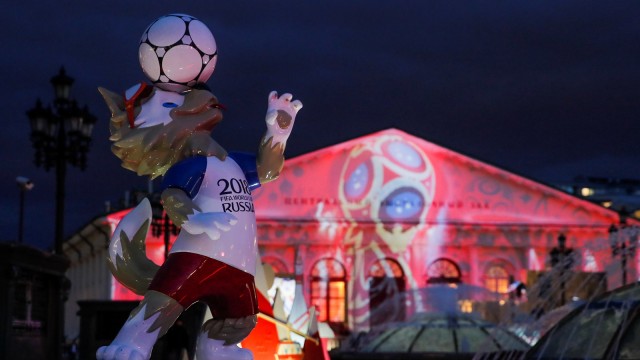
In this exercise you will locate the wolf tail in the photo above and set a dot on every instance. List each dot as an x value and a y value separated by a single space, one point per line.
127 260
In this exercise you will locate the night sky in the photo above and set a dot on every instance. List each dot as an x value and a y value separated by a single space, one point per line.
546 89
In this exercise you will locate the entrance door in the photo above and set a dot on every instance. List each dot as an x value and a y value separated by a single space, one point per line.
386 287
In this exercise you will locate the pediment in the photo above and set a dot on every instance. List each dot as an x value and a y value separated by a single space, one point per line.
392 176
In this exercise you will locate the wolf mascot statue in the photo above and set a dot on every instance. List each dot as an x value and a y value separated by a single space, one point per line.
207 192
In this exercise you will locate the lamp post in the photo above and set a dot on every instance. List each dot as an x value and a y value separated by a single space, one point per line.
60 135
161 224
623 240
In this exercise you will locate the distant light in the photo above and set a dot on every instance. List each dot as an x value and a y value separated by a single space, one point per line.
502 302
585 191
466 306
575 298
607 204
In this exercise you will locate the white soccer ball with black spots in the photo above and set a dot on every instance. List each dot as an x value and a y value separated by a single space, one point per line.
177 52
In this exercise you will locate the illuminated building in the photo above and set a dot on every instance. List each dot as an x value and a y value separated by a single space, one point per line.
361 220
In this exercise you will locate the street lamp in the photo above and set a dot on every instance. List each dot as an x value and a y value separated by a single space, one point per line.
623 241
59 136
161 224
24 185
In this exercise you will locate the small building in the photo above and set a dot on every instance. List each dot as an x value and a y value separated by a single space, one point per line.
34 289
88 271
360 221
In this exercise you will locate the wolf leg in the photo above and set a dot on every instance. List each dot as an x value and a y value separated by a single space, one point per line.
218 338
147 322
127 259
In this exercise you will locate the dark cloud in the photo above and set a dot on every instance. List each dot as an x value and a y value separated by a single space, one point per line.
546 89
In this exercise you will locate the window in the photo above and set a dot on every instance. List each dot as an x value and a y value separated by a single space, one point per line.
443 271
386 284
30 303
386 268
284 283
328 291
496 279
278 266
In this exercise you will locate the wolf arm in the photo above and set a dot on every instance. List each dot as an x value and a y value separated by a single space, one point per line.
184 213
180 183
281 114
178 205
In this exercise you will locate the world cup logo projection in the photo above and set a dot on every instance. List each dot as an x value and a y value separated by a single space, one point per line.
389 182
386 188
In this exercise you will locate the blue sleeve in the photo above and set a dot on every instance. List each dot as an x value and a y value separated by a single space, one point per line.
186 175
248 164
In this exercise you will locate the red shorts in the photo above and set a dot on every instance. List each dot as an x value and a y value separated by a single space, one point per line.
188 277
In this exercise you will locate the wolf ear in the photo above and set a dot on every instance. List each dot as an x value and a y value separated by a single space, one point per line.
114 101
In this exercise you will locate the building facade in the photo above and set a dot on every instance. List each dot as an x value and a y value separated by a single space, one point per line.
365 221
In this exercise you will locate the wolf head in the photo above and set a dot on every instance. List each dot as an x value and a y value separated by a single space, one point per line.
152 130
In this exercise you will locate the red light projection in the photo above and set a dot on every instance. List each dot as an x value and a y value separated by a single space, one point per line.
392 195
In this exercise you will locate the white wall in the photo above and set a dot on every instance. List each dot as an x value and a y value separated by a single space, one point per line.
89 274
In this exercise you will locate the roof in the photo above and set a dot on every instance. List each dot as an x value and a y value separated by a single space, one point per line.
605 328
393 176
433 336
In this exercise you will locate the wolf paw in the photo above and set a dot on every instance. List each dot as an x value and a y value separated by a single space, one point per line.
210 223
281 114
209 349
119 352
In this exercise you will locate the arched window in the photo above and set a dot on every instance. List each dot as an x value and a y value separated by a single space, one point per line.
496 278
328 292
386 282
443 271
278 266
281 282
386 268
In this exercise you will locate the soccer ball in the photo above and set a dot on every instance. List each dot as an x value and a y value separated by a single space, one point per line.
177 51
